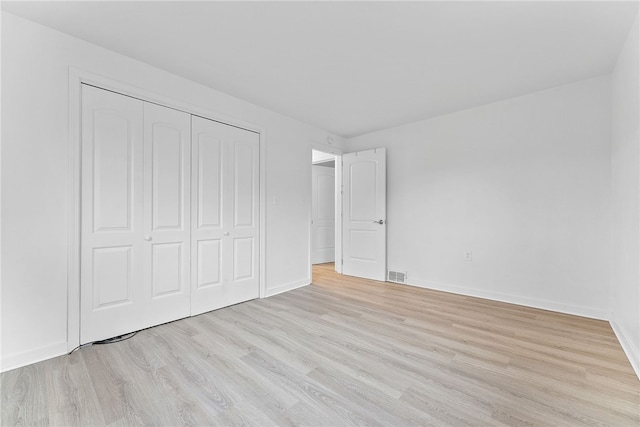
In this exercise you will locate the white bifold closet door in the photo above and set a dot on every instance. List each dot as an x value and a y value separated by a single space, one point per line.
135 215
167 213
170 206
224 215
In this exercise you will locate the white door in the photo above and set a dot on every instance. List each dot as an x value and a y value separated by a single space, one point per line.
167 201
364 214
323 214
112 250
225 208
135 215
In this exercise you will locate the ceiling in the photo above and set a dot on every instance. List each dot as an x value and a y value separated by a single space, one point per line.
356 67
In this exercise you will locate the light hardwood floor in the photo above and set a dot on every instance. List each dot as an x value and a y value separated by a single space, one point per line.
343 351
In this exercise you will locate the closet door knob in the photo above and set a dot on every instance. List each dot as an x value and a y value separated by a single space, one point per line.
147 238
226 233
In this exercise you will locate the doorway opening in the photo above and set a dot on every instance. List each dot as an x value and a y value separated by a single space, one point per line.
324 212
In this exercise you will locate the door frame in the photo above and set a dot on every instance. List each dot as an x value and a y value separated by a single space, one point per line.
78 77
337 153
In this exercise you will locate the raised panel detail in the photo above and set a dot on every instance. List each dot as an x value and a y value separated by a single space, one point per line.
326 201
112 171
362 176
209 262
363 245
243 185
166 269
209 202
243 258
325 237
167 177
111 276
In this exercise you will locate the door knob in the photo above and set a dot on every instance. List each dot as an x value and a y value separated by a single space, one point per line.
147 238
380 221
226 233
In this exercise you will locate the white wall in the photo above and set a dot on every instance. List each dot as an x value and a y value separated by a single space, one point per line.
35 178
626 198
524 184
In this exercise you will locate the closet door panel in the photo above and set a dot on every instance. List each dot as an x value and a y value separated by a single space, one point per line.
167 139
112 164
225 182
244 151
208 239
111 253
167 150
209 262
243 250
209 180
167 269
243 184
112 276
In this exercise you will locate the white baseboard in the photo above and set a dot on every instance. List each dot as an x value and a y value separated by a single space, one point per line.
512 299
633 354
286 287
323 260
18 360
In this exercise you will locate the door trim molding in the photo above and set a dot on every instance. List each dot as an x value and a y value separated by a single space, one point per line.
77 77
337 152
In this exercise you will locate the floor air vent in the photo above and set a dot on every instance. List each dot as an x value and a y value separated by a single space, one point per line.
397 276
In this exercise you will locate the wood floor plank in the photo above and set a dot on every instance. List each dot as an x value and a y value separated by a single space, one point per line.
343 351
25 397
72 399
